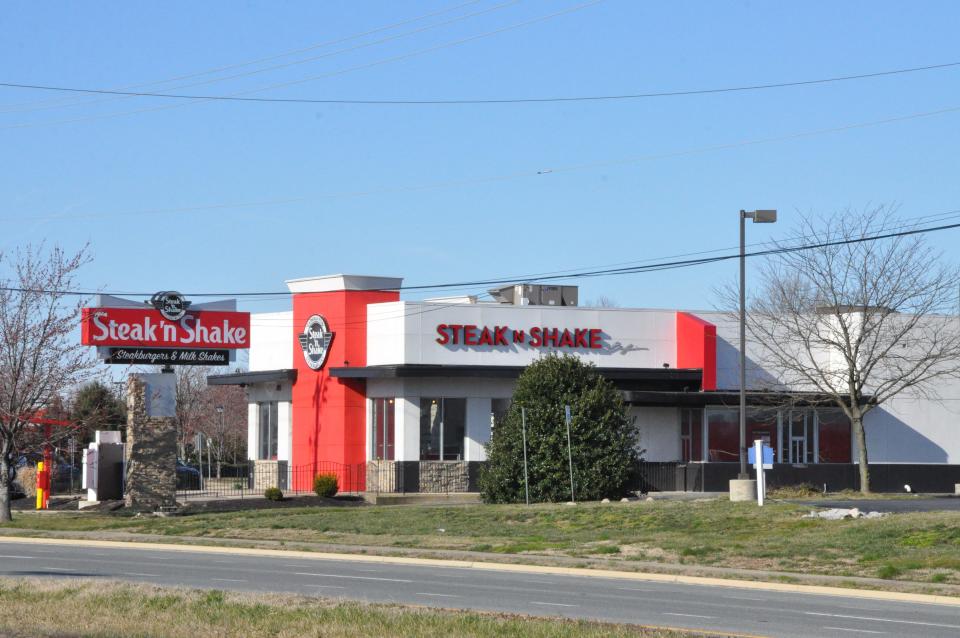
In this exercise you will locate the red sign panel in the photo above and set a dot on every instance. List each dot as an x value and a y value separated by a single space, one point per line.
146 327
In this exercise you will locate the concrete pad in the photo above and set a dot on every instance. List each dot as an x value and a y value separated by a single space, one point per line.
743 490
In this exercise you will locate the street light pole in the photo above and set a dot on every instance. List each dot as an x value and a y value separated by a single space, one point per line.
743 347
758 217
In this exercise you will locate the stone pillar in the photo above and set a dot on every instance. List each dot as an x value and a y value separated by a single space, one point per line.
267 474
151 457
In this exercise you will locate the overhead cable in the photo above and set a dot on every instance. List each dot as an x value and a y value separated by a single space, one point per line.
480 101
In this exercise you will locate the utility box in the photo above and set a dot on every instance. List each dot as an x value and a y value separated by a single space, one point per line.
103 468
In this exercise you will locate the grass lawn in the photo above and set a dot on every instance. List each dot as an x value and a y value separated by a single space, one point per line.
89 608
922 547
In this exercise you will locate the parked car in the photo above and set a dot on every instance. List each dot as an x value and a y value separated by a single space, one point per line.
188 477
16 490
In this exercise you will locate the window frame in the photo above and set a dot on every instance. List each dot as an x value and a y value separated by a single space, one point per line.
442 402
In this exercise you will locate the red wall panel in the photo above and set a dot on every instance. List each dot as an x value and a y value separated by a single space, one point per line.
697 347
329 414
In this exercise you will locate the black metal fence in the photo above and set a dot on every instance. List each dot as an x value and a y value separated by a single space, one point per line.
256 478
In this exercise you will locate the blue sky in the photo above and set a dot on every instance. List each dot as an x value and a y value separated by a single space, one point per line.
452 193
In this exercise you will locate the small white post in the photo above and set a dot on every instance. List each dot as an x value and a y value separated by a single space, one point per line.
758 463
566 412
526 478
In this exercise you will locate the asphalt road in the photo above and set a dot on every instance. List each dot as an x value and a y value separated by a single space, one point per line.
720 609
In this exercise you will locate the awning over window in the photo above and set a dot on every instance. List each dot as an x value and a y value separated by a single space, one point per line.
249 378
624 378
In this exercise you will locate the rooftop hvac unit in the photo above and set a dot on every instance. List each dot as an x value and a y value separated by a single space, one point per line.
535 295
550 296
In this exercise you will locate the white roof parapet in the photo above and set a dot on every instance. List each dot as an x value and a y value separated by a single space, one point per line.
331 283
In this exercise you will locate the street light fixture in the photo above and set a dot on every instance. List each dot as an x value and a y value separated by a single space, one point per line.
758 217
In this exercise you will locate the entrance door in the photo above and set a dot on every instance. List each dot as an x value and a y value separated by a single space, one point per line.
797 436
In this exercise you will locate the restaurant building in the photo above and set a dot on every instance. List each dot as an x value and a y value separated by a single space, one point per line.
355 377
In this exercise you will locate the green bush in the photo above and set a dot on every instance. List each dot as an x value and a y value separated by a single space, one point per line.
325 484
603 438
273 494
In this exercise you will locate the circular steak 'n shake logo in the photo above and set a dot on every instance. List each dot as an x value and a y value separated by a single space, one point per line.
171 304
315 341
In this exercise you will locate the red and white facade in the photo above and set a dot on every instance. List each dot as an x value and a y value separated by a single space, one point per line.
421 381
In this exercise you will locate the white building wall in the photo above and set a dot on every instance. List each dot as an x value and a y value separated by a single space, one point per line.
282 394
659 430
406 333
252 422
271 339
909 428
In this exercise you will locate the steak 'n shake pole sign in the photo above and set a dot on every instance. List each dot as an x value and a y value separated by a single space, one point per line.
165 332
146 327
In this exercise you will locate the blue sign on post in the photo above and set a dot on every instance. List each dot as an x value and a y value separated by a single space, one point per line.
767 457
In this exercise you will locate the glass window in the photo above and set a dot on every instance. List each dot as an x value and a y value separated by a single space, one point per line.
442 427
723 435
834 437
762 424
267 430
384 417
691 434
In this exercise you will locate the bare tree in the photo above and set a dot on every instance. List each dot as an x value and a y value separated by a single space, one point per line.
40 355
190 408
602 301
225 430
855 319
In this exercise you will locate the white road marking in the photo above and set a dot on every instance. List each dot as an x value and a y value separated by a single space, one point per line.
327 586
389 580
538 582
667 613
228 580
426 593
743 598
536 602
858 631
6 556
902 622
57 569
140 574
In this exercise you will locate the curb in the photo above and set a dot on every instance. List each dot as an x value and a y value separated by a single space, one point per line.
818 590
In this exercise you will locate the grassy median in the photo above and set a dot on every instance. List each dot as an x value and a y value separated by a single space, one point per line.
922 547
61 608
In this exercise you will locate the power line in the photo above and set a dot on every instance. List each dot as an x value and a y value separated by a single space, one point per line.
534 100
121 94
275 56
359 67
668 265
